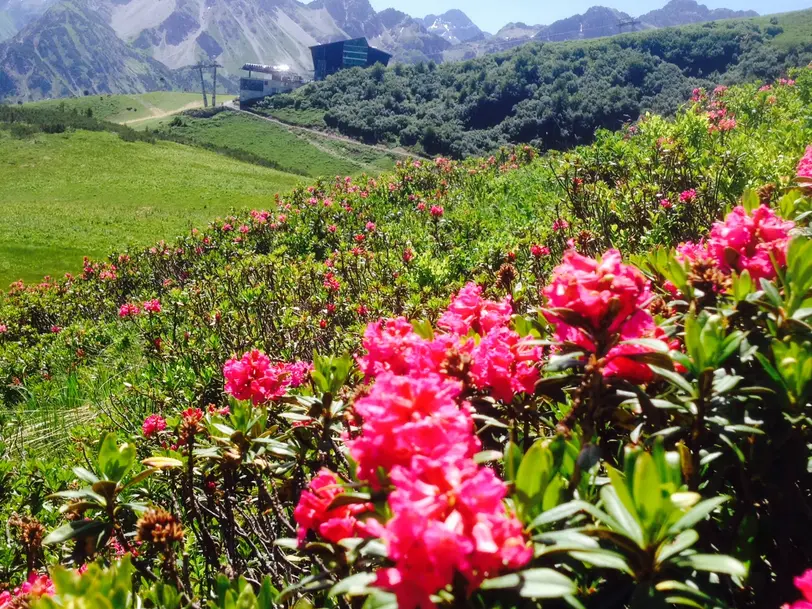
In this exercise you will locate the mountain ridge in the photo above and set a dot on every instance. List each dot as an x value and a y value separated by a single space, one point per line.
126 45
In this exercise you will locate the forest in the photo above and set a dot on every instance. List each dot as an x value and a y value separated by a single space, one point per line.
550 95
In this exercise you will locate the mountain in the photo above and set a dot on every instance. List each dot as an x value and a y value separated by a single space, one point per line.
133 45
453 26
518 31
72 49
596 22
679 12
16 14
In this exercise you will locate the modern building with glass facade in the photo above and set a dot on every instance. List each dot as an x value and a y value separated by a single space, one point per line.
334 56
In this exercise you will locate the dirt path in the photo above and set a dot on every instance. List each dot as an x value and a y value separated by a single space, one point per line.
157 113
232 105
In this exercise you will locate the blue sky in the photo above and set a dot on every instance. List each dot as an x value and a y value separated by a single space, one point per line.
490 15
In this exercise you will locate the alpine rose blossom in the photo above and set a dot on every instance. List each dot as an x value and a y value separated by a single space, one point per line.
128 310
448 518
469 311
804 585
408 416
611 298
804 171
35 587
505 363
153 424
254 378
750 242
313 511
606 293
392 345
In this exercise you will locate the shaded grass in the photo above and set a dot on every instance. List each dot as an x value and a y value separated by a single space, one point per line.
311 155
121 108
90 193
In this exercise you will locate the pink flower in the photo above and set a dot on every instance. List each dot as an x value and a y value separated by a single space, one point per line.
392 345
370 226
331 282
804 171
227 227
3 328
610 299
408 416
804 585
299 373
254 378
408 255
666 204
469 311
448 518
153 424
750 242
152 306
192 415
437 211
560 224
421 206
56 329
504 363
687 196
313 512
537 251
604 293
36 586
128 310
332 228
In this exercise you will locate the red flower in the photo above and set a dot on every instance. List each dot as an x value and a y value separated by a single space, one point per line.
313 512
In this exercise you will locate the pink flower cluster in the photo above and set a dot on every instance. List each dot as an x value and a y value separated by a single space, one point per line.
253 377
804 171
687 196
744 242
132 309
804 585
152 425
313 512
36 586
448 516
610 300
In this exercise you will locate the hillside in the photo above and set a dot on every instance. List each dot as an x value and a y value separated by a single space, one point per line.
551 95
75 194
297 153
133 110
528 381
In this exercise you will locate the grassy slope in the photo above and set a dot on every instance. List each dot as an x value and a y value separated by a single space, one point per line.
141 107
83 193
317 156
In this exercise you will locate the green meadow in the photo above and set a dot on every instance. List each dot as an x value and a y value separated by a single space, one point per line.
83 193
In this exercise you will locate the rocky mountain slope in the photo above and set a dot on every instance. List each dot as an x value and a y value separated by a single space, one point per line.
71 49
454 26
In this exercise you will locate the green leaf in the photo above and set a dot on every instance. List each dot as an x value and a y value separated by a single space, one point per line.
625 523
72 530
681 542
603 559
533 477
715 563
674 378
513 458
354 585
114 460
533 583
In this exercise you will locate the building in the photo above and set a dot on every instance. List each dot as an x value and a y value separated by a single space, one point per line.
334 56
269 80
